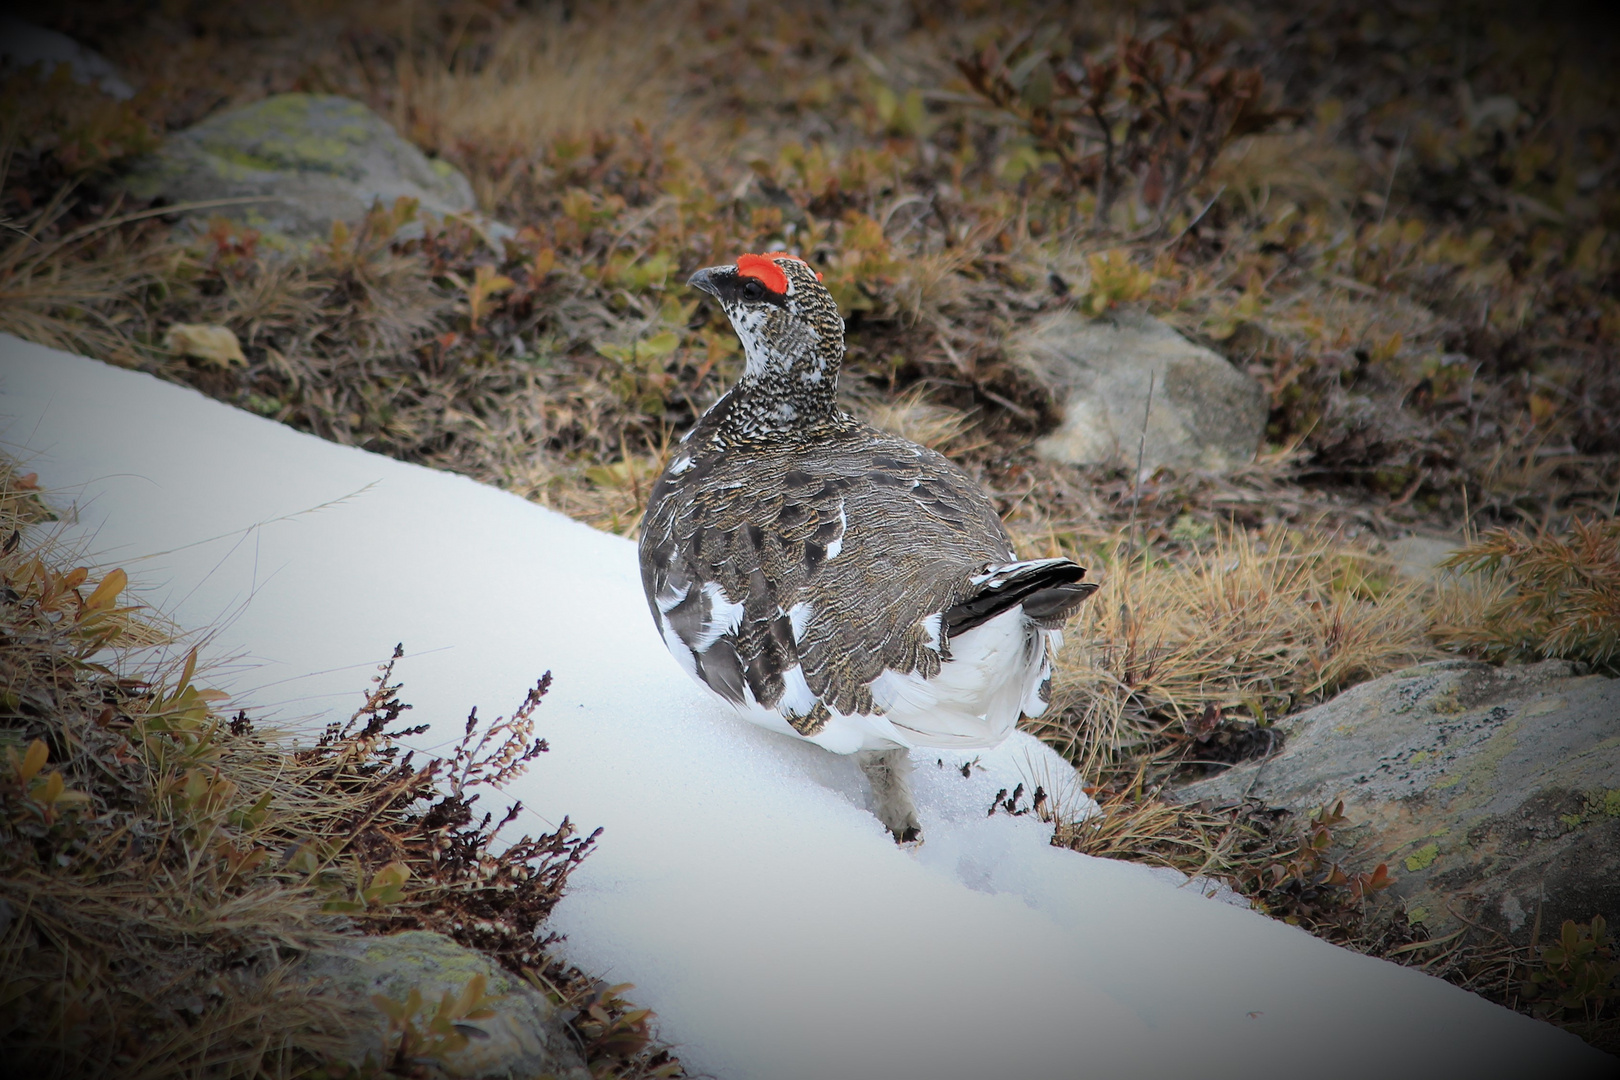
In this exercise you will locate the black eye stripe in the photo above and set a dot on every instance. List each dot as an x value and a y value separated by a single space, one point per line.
732 288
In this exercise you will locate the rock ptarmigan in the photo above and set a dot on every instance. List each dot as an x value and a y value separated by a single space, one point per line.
832 581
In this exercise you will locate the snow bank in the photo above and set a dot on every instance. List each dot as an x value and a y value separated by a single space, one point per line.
740 882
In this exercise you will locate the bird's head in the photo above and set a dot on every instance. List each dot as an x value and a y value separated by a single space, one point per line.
789 324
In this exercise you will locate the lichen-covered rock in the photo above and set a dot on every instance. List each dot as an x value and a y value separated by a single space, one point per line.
523 1039
1419 556
1205 413
313 158
22 44
1490 792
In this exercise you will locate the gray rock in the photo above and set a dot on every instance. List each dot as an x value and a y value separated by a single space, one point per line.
23 43
1490 792
1206 414
1419 557
523 1039
314 158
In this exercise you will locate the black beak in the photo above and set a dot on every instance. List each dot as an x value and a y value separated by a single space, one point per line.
704 279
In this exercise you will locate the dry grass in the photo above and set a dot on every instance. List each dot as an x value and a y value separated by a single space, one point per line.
132 941
913 417
1246 628
72 290
1534 596
543 79
1147 830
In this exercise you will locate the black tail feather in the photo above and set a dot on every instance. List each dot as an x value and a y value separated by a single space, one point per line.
1049 593
1054 606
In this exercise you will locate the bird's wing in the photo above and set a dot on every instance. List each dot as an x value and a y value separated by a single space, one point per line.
795 578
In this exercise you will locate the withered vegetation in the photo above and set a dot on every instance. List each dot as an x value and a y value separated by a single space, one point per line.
1545 595
1408 244
1402 219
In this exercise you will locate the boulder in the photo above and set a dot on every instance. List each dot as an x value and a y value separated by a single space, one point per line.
1205 414
1490 792
23 44
524 1038
1419 557
313 158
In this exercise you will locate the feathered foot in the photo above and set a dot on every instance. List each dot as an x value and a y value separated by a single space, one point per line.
889 772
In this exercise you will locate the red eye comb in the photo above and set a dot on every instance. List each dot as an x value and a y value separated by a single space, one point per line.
763 269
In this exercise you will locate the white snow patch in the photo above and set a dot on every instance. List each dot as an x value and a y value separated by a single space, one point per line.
740 883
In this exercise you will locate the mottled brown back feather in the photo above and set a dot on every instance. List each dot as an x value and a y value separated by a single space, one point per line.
760 524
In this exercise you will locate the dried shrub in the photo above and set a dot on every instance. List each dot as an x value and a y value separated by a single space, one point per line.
64 129
1297 879
369 805
1149 113
1541 596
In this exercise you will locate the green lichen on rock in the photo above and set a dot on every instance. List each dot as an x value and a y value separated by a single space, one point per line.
302 132
1422 858
1514 770
306 159
522 1036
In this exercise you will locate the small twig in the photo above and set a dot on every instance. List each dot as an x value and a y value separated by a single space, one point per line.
1141 447
1389 188
161 211
1411 490
1418 946
1194 222
1271 752
1011 406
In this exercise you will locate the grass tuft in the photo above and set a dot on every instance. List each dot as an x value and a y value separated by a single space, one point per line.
1541 596
1185 661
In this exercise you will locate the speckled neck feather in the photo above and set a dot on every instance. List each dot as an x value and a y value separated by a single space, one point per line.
789 389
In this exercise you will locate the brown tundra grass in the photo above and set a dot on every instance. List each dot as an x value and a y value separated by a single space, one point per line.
1248 627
